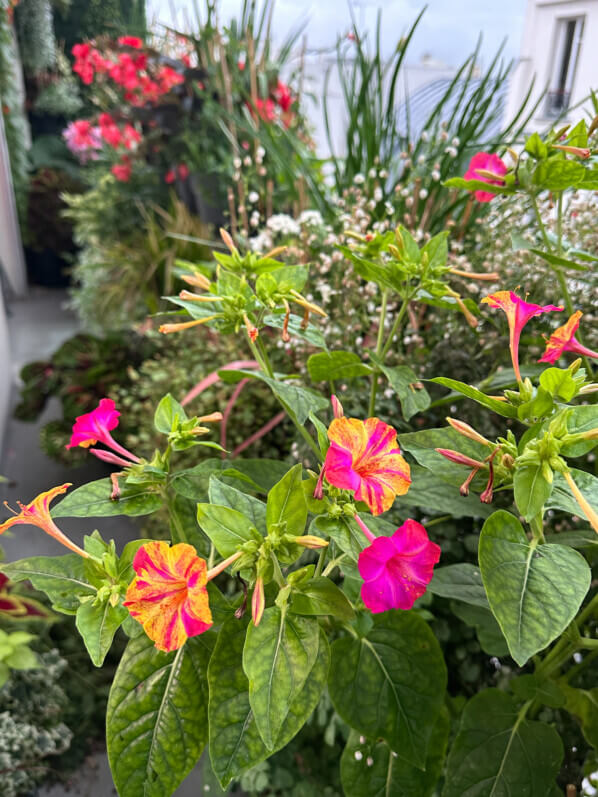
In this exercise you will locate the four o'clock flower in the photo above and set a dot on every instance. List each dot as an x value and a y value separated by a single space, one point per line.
563 339
396 570
518 313
364 457
94 427
169 596
37 513
488 168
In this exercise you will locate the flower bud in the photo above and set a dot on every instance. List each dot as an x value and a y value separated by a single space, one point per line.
310 541
459 459
258 601
467 431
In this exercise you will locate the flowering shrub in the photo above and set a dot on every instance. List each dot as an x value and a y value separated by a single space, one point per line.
285 581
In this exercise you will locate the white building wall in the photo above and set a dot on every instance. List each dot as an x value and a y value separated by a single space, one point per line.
538 54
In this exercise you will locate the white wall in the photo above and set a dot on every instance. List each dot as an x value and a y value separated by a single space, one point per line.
538 52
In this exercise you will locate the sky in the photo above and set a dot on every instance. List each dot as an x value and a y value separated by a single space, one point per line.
448 30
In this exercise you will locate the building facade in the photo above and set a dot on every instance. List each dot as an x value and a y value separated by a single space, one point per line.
560 50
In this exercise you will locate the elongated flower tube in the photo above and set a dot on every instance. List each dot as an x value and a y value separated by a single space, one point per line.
563 339
37 513
364 457
518 313
169 595
258 601
584 504
95 426
396 570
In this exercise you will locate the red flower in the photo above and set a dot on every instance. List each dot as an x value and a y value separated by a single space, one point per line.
122 171
283 96
130 41
168 78
265 109
490 163
131 136
170 176
183 171
240 65
81 50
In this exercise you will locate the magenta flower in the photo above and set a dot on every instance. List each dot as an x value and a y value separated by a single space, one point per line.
563 339
82 139
95 426
488 162
396 570
518 313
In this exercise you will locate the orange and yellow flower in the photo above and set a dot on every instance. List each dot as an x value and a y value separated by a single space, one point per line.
364 457
563 339
169 595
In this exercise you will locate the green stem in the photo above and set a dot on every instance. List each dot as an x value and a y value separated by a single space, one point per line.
334 563
320 564
557 270
278 576
212 556
537 526
395 327
379 344
574 671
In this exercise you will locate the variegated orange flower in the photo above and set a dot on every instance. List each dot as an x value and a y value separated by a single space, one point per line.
169 596
37 513
563 339
364 457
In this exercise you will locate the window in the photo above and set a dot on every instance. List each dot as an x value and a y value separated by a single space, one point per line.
567 45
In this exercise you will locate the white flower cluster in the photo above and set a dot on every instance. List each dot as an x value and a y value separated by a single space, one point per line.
283 224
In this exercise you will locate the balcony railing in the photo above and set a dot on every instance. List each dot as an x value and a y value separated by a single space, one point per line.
556 102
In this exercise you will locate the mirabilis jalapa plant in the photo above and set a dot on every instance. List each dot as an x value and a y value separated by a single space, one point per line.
239 662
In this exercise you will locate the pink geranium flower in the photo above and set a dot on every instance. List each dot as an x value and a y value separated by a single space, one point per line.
95 426
83 139
489 162
169 596
396 570
130 41
563 339
364 457
518 313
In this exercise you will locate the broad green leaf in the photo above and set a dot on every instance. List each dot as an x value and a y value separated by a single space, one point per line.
476 185
582 538
62 578
531 687
295 329
372 769
167 412
557 174
522 577
327 366
157 715
437 250
412 394
226 495
583 704
500 407
182 515
579 420
257 474
559 383
321 596
22 658
283 279
390 684
344 532
461 582
93 500
226 528
369 270
562 497
496 754
277 658
557 260
235 742
433 495
531 490
536 147
97 625
422 445
490 637
286 503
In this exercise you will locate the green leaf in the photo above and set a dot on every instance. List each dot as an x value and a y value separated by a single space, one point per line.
295 329
531 490
157 716
326 366
583 704
167 413
391 683
22 658
557 260
93 500
226 528
62 578
461 582
490 637
581 538
531 687
277 658
412 394
437 250
536 147
345 534
372 769
235 742
476 185
433 495
562 497
285 279
298 401
422 445
500 407
558 174
226 495
497 753
522 578
259 474
287 504
97 625
370 271
559 383
321 596
182 514
579 420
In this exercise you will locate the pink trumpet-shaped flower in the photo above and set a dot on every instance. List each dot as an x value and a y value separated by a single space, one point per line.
488 162
396 570
563 339
95 426
518 313
364 457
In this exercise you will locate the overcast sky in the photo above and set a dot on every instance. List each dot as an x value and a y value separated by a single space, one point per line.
448 30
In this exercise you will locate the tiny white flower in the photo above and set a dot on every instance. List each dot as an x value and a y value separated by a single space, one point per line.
369 761
378 194
423 193
435 174
253 197
358 755
372 174
383 174
247 160
237 163
421 160
359 179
